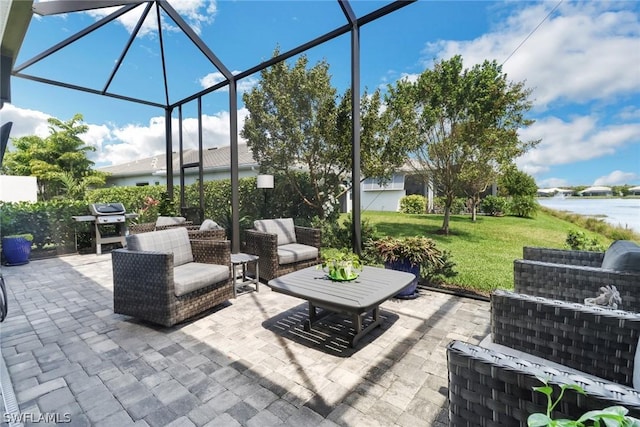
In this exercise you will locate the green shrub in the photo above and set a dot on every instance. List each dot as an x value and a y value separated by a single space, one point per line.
336 235
413 204
523 206
494 205
50 223
459 205
579 241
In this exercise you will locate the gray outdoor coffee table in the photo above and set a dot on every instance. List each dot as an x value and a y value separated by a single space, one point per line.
355 298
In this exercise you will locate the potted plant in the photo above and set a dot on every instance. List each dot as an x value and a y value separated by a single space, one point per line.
17 248
341 264
408 254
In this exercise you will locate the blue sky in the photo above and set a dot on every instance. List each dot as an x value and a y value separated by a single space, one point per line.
581 59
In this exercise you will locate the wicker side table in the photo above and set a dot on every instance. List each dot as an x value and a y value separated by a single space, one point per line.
242 259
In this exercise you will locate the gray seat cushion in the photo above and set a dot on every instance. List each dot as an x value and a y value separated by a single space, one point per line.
622 255
294 252
282 227
194 275
175 240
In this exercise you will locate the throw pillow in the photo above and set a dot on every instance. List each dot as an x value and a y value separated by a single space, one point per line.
622 255
209 224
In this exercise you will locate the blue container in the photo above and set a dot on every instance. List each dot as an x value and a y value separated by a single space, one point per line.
16 250
405 265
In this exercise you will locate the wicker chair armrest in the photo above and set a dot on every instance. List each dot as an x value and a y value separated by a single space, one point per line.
495 389
262 244
144 227
309 236
197 234
143 272
211 251
594 340
563 256
574 283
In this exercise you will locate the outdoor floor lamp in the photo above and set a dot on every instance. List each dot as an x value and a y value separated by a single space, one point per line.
265 182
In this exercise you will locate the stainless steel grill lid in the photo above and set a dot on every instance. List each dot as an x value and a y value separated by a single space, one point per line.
99 209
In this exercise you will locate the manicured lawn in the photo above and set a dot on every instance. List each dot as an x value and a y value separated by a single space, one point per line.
483 251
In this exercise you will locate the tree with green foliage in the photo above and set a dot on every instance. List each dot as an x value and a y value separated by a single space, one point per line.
297 121
460 125
59 161
514 182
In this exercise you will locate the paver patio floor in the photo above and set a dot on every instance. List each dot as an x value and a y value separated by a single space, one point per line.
248 362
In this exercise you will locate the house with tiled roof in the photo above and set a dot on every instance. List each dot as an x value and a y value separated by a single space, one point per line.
152 170
216 166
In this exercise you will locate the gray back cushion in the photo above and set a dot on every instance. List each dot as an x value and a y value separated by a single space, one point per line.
174 240
170 220
622 255
283 227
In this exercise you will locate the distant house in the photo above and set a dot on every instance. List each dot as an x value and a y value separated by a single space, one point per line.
634 191
596 191
550 192
216 166
152 170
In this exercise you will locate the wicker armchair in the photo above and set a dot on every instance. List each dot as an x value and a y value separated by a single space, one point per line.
489 388
286 249
165 278
575 275
538 337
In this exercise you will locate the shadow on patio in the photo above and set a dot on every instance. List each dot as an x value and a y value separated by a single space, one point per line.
247 363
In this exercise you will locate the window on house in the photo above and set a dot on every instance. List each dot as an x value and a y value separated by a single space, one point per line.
141 184
396 183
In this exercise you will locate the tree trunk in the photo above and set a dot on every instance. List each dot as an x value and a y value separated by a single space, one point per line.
445 222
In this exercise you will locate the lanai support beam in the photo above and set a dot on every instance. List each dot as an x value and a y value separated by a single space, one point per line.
235 181
356 224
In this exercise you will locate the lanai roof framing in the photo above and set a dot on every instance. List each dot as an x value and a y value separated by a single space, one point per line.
352 25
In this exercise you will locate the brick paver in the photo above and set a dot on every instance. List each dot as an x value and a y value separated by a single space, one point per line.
247 363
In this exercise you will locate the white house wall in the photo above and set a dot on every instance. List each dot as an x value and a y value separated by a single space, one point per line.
18 188
385 200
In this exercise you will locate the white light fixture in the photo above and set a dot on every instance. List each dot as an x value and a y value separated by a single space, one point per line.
265 181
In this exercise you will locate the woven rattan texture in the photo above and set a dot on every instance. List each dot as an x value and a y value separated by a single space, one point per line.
490 389
143 284
590 339
563 256
574 283
265 245
146 227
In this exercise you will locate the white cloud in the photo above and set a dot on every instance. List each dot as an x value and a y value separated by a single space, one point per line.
25 122
565 142
140 141
244 85
617 178
553 183
116 145
195 12
584 51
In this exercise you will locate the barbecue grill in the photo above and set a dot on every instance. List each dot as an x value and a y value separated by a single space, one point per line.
110 223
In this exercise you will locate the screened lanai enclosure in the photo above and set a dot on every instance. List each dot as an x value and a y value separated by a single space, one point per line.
171 27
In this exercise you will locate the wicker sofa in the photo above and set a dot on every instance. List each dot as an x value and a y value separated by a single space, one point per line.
532 337
165 278
282 246
575 275
196 232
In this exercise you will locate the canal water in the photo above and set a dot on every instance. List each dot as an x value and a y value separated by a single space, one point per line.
621 212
